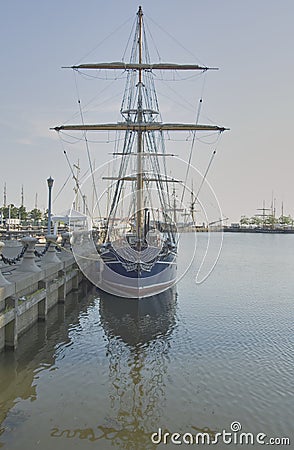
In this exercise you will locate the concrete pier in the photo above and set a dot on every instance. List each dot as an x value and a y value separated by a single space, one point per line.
31 288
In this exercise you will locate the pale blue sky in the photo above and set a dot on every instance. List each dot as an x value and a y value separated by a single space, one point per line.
252 93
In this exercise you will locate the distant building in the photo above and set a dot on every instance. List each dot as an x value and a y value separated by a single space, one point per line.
12 221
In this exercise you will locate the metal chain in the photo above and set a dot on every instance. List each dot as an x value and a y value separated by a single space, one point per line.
14 260
42 253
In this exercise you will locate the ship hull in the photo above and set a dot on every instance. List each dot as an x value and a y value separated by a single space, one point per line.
117 280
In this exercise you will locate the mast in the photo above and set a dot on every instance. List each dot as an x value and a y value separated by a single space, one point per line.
139 205
84 204
22 196
140 110
77 186
5 196
192 207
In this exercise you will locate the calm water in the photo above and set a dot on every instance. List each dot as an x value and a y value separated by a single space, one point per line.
104 375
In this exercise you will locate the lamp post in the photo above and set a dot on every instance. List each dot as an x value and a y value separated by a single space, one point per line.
50 185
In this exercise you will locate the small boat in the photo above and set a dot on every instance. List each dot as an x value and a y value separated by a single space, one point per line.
138 249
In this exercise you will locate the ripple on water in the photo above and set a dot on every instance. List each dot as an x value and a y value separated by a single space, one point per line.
222 352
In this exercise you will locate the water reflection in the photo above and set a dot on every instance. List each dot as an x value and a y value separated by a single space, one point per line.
138 334
138 322
117 350
105 374
36 351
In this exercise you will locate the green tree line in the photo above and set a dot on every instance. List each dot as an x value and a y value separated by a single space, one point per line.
268 221
34 216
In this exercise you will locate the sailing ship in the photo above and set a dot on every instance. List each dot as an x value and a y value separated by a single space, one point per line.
138 251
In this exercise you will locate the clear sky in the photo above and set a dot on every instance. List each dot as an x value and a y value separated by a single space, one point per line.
250 41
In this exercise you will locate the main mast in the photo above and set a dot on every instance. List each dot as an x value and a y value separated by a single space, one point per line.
139 186
139 111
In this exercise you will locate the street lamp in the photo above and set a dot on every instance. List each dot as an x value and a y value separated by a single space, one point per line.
50 185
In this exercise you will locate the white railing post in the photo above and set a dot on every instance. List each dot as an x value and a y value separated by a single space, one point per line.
3 281
28 263
51 256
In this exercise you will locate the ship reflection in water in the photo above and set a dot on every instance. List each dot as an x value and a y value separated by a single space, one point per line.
138 322
119 361
138 335
112 373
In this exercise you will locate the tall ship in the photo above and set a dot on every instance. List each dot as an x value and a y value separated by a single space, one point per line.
137 246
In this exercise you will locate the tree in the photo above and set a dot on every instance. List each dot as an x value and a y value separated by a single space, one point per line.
22 213
255 220
35 215
285 220
270 220
45 217
9 211
244 220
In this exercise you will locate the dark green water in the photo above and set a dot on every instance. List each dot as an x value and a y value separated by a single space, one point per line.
102 374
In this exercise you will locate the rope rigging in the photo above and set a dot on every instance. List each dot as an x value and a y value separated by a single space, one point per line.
175 40
74 177
140 112
191 150
88 154
204 178
105 39
128 142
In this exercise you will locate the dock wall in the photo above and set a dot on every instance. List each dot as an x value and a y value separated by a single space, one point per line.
28 296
